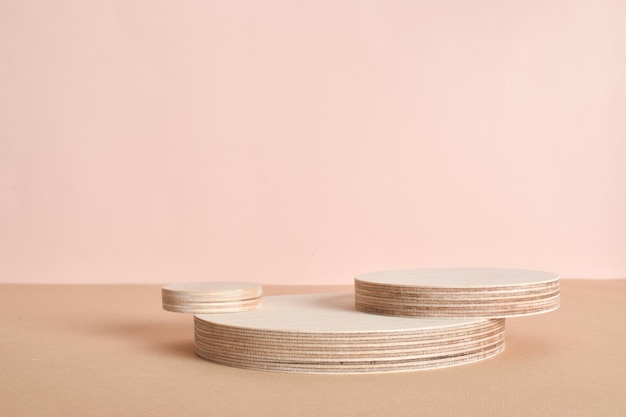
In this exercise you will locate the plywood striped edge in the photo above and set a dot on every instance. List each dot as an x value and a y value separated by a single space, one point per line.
457 293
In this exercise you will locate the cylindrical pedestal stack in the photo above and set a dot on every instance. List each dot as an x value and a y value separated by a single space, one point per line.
401 320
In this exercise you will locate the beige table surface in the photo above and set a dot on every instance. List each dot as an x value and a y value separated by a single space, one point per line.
112 351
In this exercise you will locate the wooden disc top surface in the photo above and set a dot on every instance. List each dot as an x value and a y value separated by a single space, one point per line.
460 278
324 313
213 288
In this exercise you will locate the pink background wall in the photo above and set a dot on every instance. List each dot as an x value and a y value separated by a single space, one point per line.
308 141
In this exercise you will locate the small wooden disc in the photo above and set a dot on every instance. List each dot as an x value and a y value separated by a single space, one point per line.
211 297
